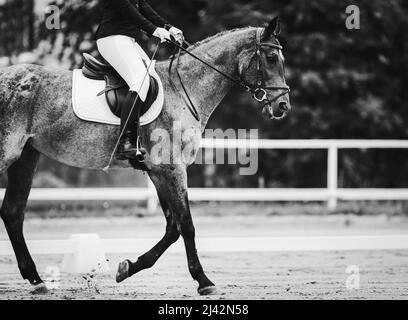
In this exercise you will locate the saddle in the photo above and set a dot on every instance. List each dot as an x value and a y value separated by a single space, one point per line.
116 88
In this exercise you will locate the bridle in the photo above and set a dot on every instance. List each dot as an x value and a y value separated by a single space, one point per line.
258 90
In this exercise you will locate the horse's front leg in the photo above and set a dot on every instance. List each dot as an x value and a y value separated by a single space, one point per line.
176 180
127 268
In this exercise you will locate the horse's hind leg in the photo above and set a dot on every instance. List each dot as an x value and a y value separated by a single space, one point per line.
20 176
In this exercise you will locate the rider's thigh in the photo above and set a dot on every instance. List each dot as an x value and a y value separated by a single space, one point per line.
124 55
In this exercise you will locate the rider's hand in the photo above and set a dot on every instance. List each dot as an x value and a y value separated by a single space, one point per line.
177 34
162 34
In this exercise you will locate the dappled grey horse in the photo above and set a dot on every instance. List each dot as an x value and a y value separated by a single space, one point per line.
36 117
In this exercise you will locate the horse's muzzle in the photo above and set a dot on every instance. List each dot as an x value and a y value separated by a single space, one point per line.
277 110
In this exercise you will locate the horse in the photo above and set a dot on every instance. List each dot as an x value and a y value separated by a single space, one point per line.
36 117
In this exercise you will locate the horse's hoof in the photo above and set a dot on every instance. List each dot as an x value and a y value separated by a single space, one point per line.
39 289
123 271
209 291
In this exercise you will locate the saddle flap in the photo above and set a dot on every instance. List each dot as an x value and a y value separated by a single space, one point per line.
116 89
90 107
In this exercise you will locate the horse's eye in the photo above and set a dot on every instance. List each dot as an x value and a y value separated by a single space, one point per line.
273 58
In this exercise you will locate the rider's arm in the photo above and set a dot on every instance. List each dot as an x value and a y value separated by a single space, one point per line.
128 10
152 15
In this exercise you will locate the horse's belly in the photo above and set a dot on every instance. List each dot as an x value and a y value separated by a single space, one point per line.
78 143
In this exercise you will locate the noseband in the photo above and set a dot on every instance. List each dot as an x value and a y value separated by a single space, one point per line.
258 90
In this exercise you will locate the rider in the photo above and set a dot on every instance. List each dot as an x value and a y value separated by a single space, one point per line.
122 20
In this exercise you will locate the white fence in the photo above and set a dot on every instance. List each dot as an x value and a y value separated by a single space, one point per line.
331 194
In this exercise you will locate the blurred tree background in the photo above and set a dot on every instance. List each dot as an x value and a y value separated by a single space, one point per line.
347 84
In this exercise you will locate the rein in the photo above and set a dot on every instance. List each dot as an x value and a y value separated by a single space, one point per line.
258 90
191 105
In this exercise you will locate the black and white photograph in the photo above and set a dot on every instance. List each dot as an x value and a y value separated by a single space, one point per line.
203 151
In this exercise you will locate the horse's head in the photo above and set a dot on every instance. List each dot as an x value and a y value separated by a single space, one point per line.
262 70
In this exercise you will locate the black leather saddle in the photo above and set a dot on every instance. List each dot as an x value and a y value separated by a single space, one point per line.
116 88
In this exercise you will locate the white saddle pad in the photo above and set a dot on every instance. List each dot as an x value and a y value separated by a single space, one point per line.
89 107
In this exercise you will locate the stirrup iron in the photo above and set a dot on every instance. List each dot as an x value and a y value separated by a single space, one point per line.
140 156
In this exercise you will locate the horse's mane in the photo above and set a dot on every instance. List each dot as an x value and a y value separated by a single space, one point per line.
218 35
213 37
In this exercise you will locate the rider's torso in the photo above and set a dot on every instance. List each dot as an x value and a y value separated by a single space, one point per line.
128 17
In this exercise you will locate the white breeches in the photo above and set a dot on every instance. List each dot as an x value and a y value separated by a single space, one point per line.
126 56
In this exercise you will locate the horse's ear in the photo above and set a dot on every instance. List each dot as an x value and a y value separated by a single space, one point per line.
273 28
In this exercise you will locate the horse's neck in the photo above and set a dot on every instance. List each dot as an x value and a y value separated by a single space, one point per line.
206 87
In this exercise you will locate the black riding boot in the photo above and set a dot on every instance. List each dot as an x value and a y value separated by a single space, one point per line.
128 148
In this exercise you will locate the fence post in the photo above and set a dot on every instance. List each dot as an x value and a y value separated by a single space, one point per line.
332 176
152 203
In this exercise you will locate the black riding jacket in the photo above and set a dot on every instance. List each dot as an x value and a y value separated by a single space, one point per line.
128 17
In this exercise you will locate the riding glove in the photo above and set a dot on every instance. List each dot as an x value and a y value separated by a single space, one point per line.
162 34
177 34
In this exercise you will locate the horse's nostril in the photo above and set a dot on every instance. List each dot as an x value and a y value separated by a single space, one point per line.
283 106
